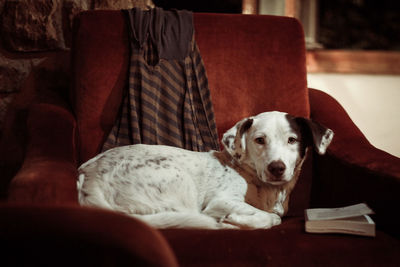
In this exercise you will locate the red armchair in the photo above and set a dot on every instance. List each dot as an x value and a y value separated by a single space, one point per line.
254 64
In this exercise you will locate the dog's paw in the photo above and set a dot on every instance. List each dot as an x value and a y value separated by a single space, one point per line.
227 226
267 220
260 220
275 219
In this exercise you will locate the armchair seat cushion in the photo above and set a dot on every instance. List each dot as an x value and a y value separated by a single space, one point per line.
283 245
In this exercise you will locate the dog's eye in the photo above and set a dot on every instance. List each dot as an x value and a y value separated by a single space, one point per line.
292 140
260 140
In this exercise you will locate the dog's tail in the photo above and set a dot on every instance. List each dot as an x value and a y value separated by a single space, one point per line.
182 220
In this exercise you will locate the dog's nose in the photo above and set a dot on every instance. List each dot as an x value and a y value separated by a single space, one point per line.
277 168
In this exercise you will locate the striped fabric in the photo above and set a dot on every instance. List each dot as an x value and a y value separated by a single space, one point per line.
167 101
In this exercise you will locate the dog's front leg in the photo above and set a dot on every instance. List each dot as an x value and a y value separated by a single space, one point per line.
241 214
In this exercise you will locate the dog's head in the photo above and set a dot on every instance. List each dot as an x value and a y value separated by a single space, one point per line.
275 144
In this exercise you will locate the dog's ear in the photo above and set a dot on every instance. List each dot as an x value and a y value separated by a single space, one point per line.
316 134
234 140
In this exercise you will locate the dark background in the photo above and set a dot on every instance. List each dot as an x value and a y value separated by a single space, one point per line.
359 24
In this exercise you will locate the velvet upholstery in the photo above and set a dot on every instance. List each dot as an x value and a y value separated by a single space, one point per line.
284 245
73 236
254 64
97 91
40 180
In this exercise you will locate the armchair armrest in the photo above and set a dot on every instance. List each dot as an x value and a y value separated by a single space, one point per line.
49 170
65 235
353 170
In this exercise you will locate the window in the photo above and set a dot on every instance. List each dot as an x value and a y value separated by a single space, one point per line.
346 36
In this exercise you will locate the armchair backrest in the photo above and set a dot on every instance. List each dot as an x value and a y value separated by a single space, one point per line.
254 64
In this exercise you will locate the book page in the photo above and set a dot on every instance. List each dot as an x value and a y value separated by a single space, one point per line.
362 225
337 213
357 219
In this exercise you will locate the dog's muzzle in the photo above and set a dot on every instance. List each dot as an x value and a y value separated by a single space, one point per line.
275 172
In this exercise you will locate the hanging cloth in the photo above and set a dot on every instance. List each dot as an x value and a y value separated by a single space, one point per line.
167 101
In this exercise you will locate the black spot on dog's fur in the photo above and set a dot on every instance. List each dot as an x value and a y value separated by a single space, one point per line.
138 166
157 187
112 164
245 126
311 132
228 139
301 132
156 161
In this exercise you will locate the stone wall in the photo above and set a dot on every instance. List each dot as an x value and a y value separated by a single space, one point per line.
32 31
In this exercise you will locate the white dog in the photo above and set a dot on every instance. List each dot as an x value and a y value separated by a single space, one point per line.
245 186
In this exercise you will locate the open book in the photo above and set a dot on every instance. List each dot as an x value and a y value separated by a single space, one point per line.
347 220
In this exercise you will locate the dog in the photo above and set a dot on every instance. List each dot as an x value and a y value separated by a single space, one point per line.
245 186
